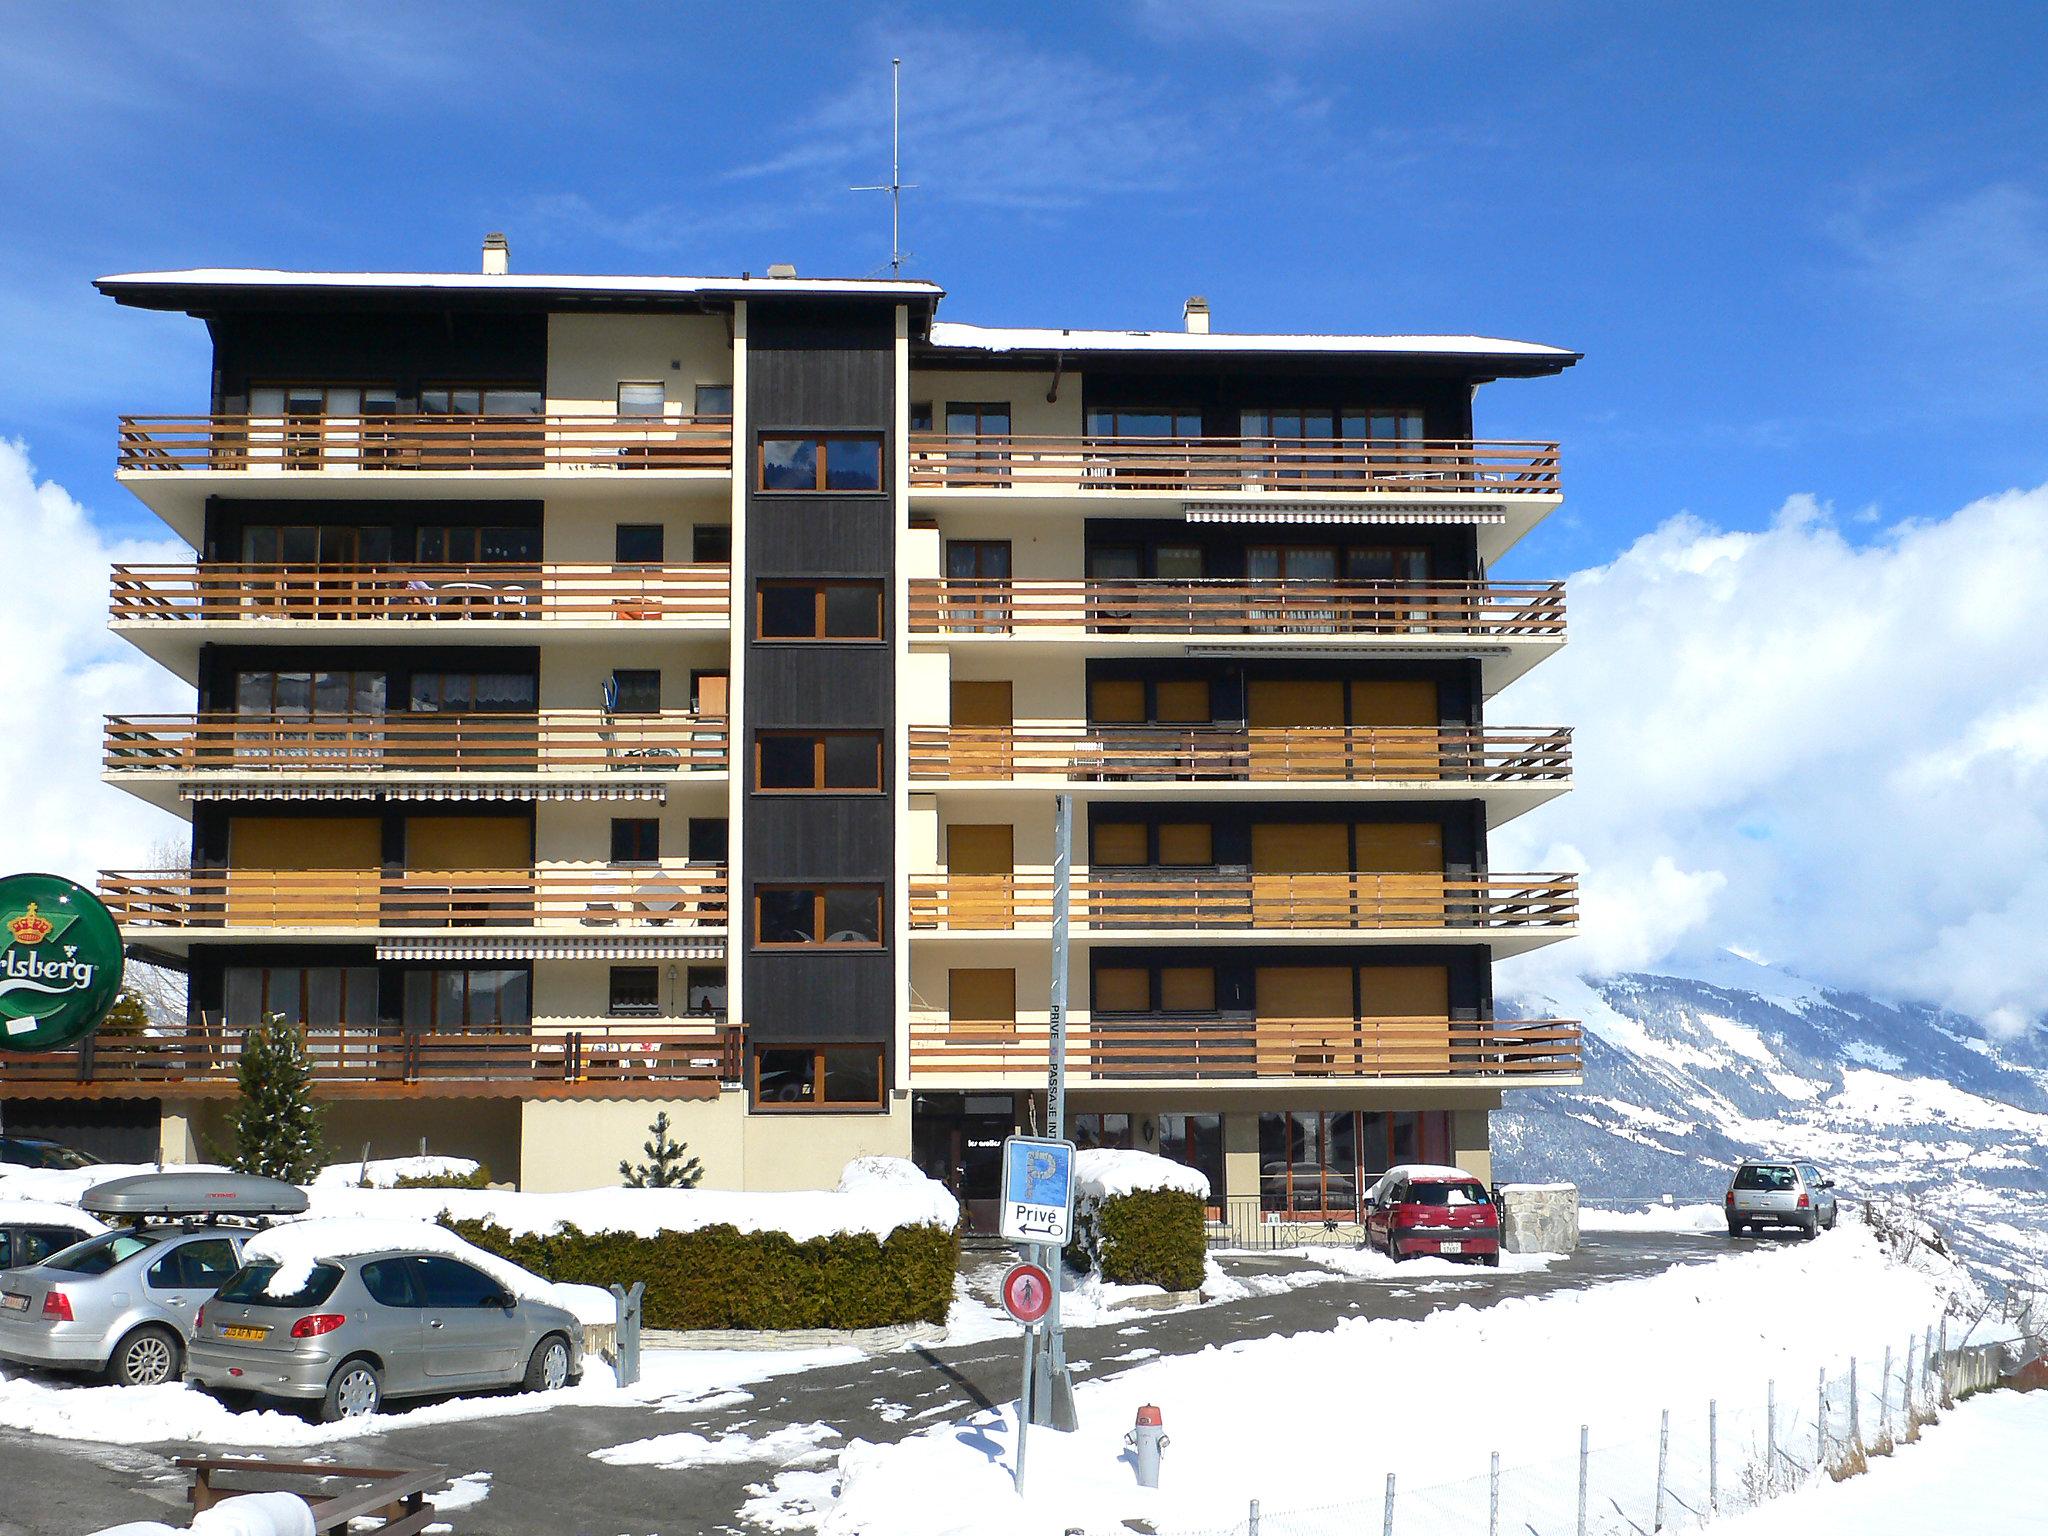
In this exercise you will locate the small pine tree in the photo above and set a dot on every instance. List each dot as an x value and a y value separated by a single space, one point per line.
277 1127
669 1164
128 1016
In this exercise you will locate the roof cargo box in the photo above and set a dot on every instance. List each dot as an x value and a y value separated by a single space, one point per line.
193 1193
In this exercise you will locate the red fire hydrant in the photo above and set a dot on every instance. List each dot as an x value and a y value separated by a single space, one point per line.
1146 1440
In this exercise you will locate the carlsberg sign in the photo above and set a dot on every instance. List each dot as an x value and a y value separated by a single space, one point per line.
60 969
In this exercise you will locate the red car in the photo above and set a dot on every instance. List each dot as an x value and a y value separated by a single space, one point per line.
1422 1209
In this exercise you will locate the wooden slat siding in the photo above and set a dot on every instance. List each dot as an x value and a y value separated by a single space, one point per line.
367 444
1101 903
1255 1048
612 1060
1308 753
1532 610
557 741
577 593
1319 466
314 898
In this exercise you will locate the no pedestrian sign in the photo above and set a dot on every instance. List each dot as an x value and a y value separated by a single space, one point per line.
1038 1190
1027 1293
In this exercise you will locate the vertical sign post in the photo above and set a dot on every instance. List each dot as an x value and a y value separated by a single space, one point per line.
1052 1404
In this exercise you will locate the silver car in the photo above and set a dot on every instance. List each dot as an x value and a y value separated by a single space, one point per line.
1780 1193
121 1303
371 1326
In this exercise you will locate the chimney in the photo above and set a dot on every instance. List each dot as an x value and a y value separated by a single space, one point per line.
497 254
781 269
1195 315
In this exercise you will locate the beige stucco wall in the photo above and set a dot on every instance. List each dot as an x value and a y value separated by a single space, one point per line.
1031 415
578 531
590 355
580 831
574 994
573 672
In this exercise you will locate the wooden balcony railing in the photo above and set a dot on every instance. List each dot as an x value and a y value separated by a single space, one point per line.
1348 466
365 444
1253 1048
1533 610
1342 754
434 899
1203 900
501 590
555 742
610 1061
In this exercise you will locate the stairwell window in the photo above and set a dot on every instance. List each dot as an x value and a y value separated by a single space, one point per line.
818 762
819 610
820 461
817 1077
817 916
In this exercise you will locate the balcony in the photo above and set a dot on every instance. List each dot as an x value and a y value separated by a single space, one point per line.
1508 626
173 907
1173 1051
1510 913
170 610
174 462
610 1062
1511 771
165 756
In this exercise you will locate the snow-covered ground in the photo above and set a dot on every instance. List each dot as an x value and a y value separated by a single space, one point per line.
1299 1422
1978 1471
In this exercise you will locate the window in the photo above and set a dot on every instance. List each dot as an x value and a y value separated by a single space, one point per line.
204 1264
714 400
850 461
389 1282
636 840
819 610
251 1286
705 991
806 916
635 992
817 1076
1197 1142
642 399
479 400
1171 844
983 425
1383 564
639 544
314 997
304 544
452 1001
470 692
345 400
633 691
306 695
449 1283
818 762
711 544
921 416
450 545
1100 1130
1144 421
710 839
1308 1163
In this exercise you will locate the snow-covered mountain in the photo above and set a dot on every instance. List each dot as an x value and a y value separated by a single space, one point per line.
1687 1073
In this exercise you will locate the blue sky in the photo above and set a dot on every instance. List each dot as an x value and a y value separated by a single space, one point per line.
1805 249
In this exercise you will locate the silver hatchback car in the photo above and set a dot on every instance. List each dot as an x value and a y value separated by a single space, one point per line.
121 1303
372 1326
1772 1192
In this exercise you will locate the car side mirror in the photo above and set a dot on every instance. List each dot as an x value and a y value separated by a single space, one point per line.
507 1300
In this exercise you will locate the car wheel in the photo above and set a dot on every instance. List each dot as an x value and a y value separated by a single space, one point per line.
1830 1222
548 1369
148 1357
1737 1228
1491 1260
1393 1246
354 1392
1811 1230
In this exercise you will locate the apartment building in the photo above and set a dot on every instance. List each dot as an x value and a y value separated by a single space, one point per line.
616 694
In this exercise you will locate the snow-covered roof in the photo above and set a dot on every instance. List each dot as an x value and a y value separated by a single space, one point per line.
200 280
946 333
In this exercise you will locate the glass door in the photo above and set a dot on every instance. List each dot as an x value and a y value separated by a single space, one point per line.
978 586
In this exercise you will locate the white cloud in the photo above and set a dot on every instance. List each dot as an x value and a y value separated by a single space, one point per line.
62 672
1835 754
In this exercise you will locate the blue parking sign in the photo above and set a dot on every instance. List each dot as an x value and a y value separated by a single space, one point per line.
1038 1190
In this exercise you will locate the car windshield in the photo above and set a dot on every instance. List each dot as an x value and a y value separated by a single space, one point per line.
1441 1193
248 1286
97 1255
1768 1176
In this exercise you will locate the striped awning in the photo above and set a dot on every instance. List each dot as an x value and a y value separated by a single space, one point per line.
1326 512
594 947
440 791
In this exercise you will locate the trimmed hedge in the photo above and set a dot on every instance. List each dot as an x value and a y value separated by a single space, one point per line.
1151 1237
720 1277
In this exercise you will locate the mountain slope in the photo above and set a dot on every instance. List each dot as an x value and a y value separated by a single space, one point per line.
1687 1073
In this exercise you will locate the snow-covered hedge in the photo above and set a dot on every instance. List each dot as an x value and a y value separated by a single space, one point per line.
1139 1219
424 1172
879 1250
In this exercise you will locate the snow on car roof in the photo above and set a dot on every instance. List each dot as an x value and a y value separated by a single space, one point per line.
15 1211
1429 1171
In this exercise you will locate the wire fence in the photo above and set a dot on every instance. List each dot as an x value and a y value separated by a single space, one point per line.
1695 1463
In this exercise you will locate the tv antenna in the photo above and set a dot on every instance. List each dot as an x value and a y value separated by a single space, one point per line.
895 185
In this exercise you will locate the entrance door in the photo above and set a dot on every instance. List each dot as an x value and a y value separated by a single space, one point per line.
320 871
1304 1014
981 866
1297 728
957 1138
983 739
1410 1002
1299 874
1401 880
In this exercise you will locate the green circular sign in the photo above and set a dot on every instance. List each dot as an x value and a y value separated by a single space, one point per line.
60 969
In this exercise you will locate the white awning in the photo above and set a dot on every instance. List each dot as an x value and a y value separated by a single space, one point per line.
654 792
1313 512
610 947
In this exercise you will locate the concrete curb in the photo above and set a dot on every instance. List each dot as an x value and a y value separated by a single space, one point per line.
868 1340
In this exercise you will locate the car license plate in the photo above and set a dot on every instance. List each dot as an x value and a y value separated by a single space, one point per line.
14 1302
243 1333
1450 1247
